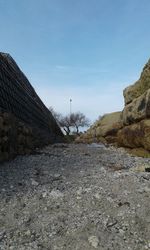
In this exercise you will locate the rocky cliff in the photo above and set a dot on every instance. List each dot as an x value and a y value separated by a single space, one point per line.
131 127
25 122
104 130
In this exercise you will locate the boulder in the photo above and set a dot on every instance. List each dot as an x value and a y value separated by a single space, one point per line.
138 109
104 130
140 152
109 124
137 89
135 136
87 138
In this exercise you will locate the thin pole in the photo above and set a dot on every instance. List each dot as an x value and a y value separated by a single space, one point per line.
70 107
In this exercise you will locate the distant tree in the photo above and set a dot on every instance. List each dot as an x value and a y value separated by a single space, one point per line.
78 120
63 121
70 122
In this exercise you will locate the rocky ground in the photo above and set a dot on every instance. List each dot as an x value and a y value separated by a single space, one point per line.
75 197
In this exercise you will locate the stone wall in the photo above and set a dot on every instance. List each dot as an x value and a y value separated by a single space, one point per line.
25 122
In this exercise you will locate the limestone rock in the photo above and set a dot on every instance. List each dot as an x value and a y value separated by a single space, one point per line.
137 89
138 109
104 129
136 115
109 124
135 135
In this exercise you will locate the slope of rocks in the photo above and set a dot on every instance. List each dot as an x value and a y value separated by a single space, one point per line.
140 87
131 127
81 197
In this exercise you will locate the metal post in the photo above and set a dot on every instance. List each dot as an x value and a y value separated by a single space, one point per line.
70 107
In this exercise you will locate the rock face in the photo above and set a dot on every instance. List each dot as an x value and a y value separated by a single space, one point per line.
25 122
138 109
136 135
105 129
139 88
131 127
109 124
136 113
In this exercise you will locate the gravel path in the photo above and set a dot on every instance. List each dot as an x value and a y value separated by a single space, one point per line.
75 197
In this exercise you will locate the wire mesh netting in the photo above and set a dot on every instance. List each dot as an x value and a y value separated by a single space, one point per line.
18 97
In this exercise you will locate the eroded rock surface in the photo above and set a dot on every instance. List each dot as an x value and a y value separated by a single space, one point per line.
105 129
138 88
137 110
131 127
81 197
136 135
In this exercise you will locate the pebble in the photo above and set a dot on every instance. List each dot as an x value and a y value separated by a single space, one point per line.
56 194
94 241
57 176
121 231
44 194
34 183
28 233
79 191
97 196
147 190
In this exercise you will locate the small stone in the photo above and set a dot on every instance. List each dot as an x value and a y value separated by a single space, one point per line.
34 183
141 190
87 190
79 191
146 189
28 233
97 196
44 194
57 175
56 194
94 241
121 231
11 247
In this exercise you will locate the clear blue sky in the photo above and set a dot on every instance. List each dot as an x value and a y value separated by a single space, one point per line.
87 50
